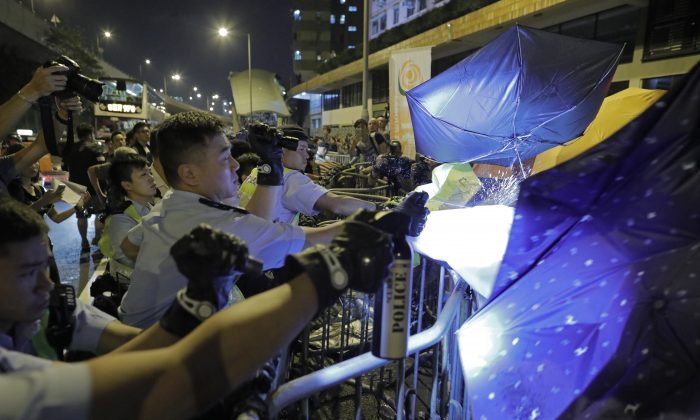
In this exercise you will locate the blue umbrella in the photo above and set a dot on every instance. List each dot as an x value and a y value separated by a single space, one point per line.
596 308
524 92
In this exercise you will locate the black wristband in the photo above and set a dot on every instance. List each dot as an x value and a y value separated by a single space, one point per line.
317 270
178 321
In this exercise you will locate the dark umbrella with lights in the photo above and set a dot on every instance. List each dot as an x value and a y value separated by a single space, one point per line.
524 92
596 309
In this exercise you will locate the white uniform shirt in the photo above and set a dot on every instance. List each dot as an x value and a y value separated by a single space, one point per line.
89 324
119 226
156 279
34 388
299 196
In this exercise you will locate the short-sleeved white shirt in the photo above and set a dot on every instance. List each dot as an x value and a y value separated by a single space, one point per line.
34 389
156 280
119 226
299 196
89 322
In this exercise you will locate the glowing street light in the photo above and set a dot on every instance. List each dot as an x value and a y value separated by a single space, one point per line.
175 77
194 88
215 96
107 34
148 61
223 33
199 95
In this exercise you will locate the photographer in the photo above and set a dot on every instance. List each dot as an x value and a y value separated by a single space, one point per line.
218 352
44 82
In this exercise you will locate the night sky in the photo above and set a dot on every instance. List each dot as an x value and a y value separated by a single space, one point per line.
180 36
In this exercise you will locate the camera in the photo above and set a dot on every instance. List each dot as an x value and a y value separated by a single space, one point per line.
77 84
273 135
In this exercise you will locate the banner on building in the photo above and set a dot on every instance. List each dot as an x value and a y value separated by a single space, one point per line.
407 69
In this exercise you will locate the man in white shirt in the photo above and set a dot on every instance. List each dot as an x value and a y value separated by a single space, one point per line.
149 379
301 194
196 160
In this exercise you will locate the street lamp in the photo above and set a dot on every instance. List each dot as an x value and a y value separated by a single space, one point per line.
176 77
107 35
148 63
223 33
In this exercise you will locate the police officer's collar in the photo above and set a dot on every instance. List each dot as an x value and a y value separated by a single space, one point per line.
222 206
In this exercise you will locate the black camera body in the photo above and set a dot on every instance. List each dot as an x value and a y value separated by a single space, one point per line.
274 135
77 84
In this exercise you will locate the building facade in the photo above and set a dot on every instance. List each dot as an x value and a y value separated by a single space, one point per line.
321 30
661 38
388 14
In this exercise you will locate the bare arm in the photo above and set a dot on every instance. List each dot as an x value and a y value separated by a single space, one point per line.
265 201
321 235
43 83
224 351
57 217
27 156
95 182
342 205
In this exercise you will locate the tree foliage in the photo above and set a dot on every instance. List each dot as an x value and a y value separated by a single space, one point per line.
70 41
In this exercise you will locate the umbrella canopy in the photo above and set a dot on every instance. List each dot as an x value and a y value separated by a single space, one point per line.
596 308
524 92
617 110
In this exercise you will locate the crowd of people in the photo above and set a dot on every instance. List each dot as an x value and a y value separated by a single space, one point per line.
176 211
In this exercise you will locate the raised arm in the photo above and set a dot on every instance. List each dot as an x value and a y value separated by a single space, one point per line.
44 82
229 347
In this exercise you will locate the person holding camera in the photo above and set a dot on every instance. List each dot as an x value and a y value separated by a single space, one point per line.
301 195
44 82
149 376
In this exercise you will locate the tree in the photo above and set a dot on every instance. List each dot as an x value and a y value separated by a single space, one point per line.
70 41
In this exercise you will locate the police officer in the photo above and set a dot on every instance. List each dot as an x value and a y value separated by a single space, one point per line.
184 379
196 159
301 194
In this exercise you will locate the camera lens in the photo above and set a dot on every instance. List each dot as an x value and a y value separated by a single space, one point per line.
89 88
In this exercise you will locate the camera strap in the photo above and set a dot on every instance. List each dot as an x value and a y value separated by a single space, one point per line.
47 126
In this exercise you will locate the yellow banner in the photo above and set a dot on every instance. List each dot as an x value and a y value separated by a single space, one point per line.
407 69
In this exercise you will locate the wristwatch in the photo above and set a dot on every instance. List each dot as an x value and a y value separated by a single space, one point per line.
197 308
338 276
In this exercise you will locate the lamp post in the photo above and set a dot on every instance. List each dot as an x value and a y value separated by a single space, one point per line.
175 77
223 33
107 35
365 49
148 62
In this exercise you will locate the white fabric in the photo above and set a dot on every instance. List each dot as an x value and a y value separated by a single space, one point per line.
119 227
299 196
33 389
90 322
156 280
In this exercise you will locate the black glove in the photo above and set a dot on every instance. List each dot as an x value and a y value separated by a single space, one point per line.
359 257
208 258
413 205
265 143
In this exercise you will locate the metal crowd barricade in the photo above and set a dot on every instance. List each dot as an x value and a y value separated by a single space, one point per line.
332 368
338 158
